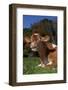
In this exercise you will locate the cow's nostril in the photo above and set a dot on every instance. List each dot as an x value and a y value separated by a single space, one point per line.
29 42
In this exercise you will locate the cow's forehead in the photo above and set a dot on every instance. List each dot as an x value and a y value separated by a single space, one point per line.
36 34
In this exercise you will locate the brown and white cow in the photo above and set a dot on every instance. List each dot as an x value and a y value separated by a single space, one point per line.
47 51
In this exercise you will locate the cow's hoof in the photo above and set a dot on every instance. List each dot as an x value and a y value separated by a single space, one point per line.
39 65
50 63
43 65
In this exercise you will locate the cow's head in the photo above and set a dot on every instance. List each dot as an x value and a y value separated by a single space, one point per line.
35 38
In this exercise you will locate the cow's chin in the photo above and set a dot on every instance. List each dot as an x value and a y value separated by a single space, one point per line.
34 49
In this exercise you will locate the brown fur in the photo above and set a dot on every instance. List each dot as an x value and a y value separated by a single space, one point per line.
45 50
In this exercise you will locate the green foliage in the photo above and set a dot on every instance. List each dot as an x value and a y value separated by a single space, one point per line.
27 32
44 27
30 66
26 52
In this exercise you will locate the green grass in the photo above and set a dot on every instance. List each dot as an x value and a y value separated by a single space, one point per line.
30 66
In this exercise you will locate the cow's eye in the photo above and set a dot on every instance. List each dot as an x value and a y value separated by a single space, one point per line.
29 42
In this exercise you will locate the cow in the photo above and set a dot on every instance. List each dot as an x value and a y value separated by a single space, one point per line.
46 50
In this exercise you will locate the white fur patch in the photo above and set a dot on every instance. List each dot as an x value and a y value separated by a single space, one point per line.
50 63
36 34
54 45
34 49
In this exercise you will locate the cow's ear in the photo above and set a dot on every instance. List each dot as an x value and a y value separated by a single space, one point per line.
27 39
51 46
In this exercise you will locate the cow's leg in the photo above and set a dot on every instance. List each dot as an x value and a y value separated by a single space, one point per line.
43 64
53 58
42 53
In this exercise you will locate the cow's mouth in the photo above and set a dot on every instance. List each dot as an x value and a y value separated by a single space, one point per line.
33 46
34 49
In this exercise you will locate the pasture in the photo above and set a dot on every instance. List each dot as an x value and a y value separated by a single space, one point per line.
30 66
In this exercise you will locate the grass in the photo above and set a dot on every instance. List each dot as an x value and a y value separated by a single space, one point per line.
30 66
